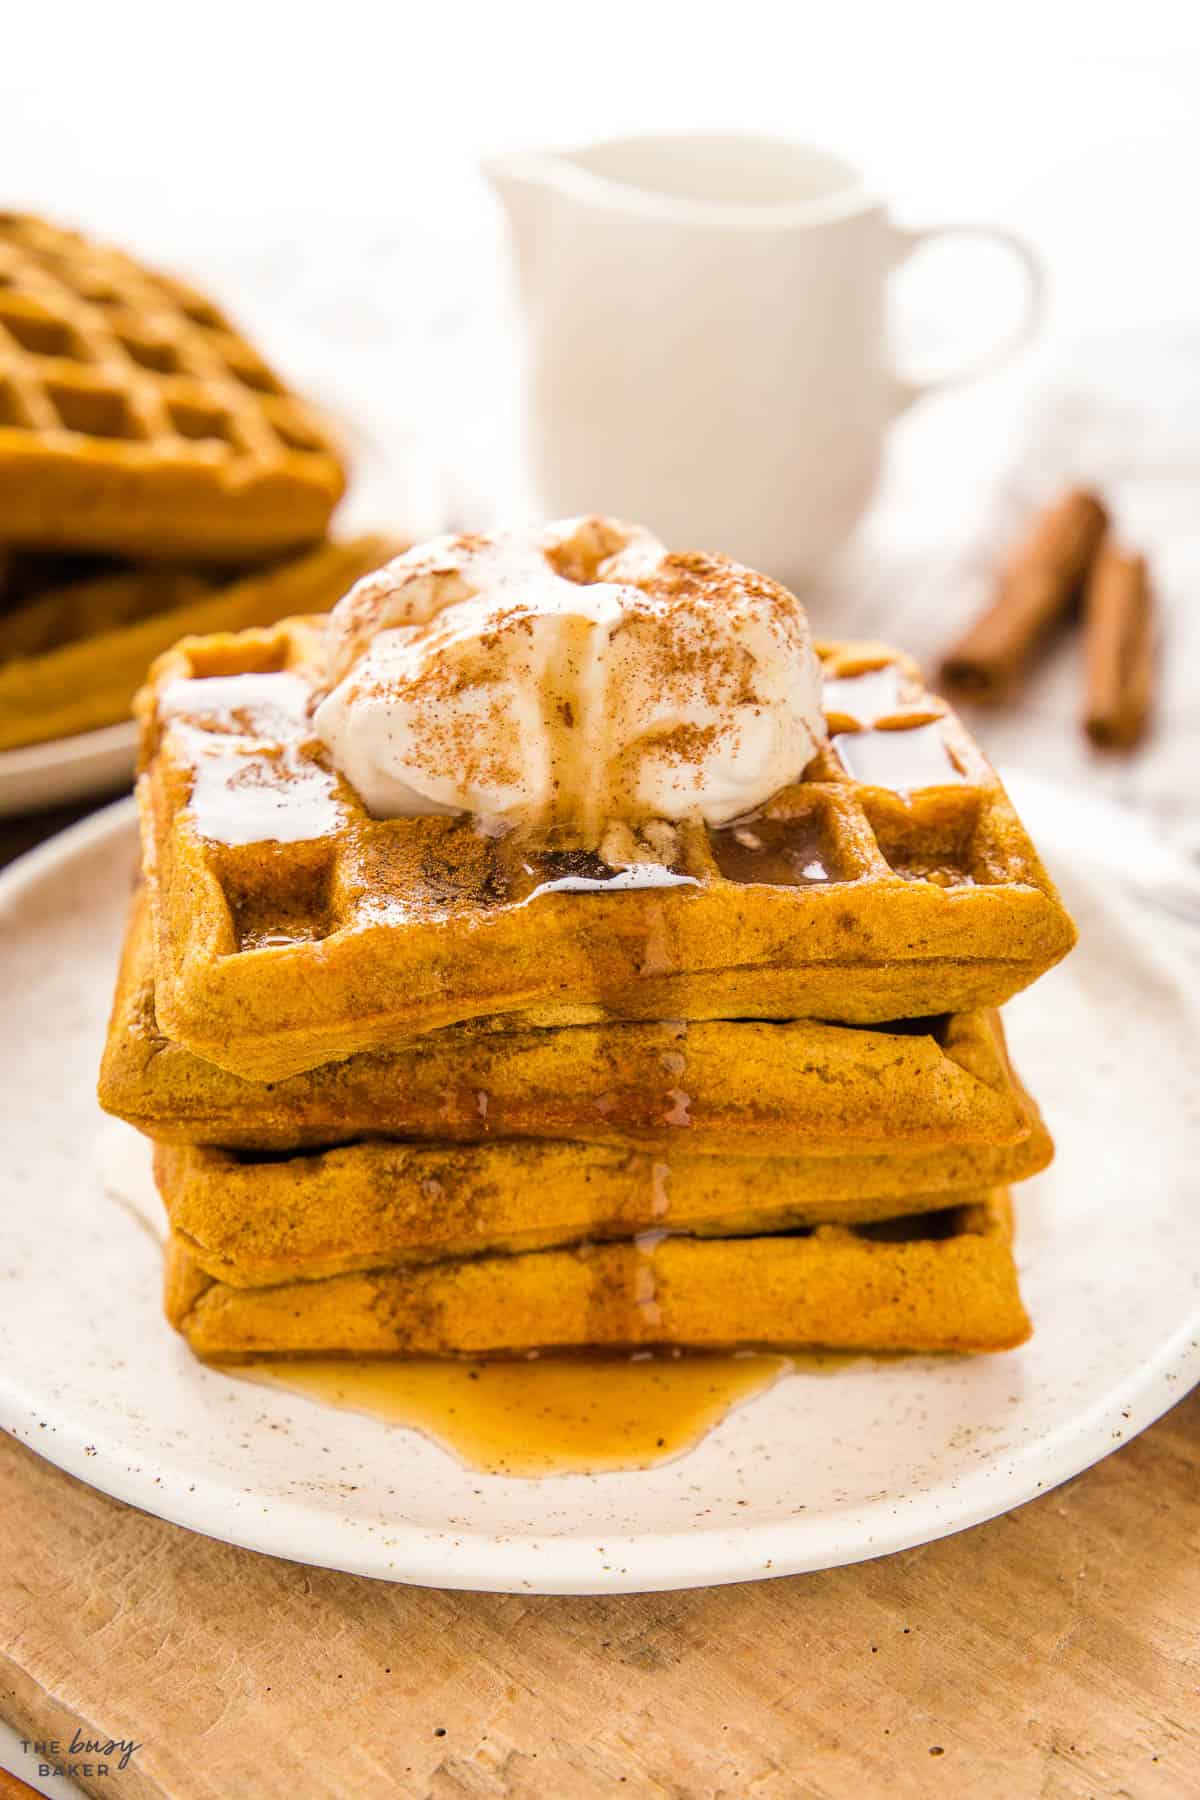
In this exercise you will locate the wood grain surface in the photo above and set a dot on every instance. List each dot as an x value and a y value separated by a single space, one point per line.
1051 1653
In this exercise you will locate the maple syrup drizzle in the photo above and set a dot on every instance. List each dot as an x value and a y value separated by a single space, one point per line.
613 881
545 1415
873 694
248 795
660 1189
251 781
898 760
781 852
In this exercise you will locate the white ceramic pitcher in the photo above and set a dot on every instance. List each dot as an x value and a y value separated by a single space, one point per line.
706 336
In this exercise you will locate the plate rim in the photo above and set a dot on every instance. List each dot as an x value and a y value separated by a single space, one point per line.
67 771
632 1563
79 747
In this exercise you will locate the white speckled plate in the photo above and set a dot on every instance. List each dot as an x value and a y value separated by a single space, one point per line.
822 1469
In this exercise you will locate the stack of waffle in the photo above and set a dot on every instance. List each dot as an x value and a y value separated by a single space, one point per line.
415 1089
156 478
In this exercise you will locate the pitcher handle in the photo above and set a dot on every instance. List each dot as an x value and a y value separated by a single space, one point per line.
910 388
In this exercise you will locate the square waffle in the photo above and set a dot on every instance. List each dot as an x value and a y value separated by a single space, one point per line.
739 1087
942 1281
135 419
78 641
292 929
256 1221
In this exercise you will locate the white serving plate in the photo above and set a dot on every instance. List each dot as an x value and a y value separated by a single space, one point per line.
66 769
822 1469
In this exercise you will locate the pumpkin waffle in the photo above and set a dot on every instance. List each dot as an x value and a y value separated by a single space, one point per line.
136 420
942 1281
293 929
73 654
741 1087
256 1221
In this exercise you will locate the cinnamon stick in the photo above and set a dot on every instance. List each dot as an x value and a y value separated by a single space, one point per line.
1118 649
1041 581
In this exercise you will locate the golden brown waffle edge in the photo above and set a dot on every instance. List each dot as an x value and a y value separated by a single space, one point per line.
260 1221
719 1087
943 1282
934 902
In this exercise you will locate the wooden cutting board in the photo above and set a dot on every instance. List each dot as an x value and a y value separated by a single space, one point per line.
1051 1653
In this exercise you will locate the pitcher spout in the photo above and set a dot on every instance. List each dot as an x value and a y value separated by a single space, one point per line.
522 185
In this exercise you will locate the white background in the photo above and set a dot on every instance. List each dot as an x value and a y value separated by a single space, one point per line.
259 122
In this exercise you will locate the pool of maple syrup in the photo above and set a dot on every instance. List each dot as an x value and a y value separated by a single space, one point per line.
782 852
546 1415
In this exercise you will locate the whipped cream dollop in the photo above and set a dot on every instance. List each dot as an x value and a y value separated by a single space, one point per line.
571 676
